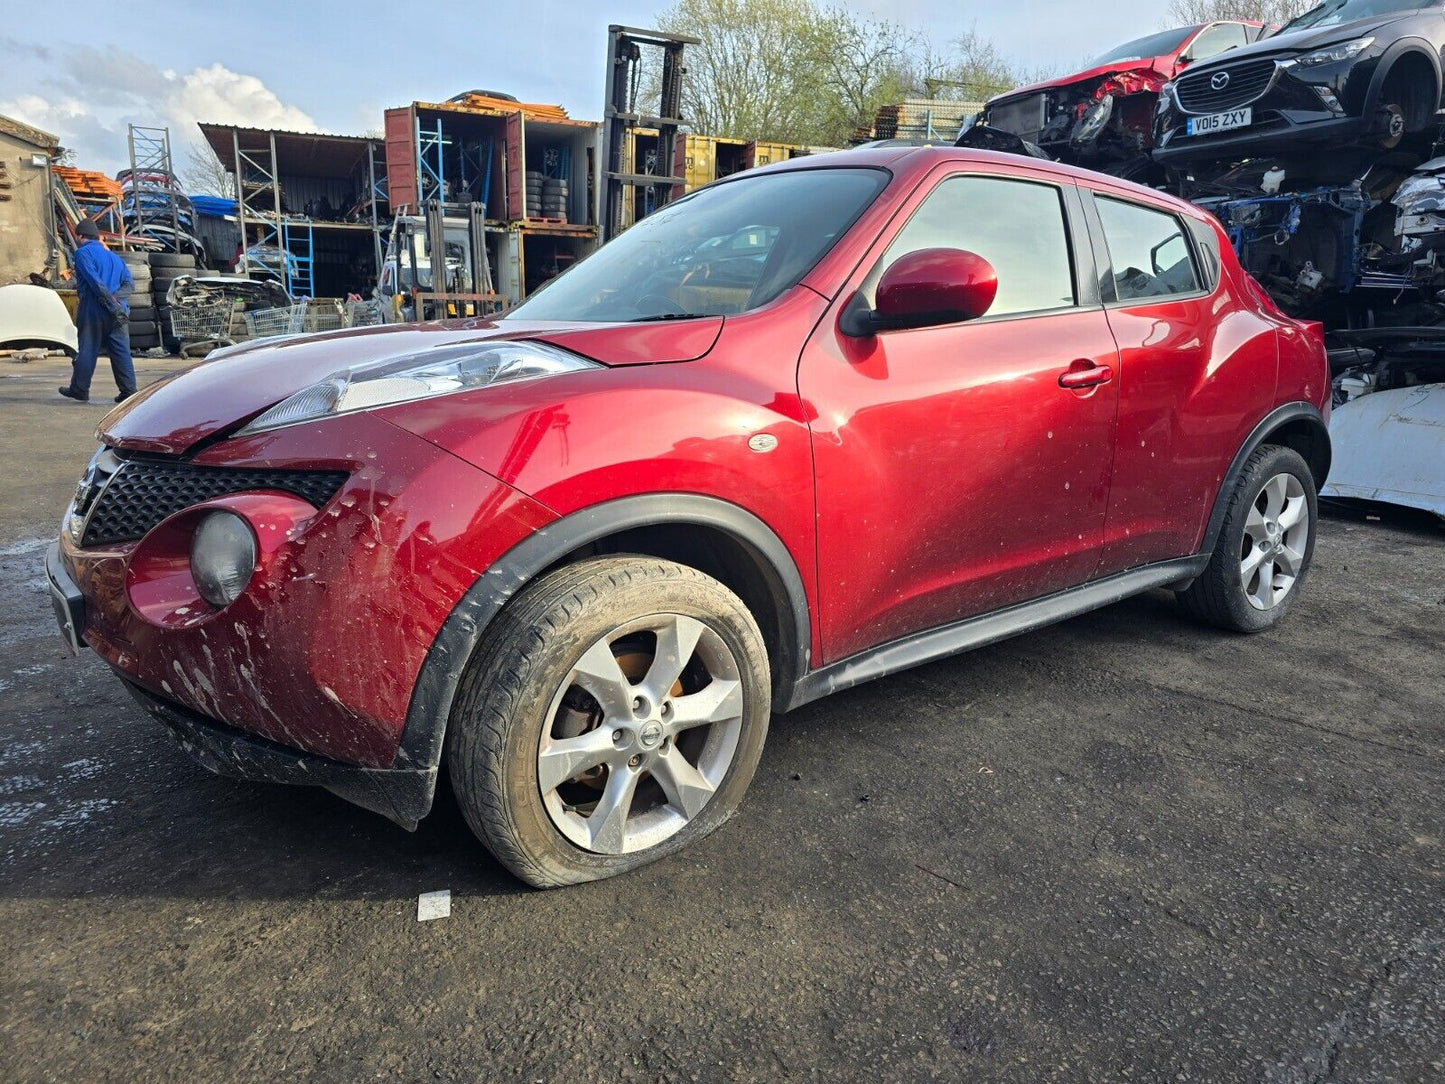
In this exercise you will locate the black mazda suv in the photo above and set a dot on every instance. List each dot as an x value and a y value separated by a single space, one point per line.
1346 72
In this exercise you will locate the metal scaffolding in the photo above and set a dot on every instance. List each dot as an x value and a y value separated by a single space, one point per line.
152 182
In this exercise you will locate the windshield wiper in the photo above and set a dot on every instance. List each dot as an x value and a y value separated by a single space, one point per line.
671 316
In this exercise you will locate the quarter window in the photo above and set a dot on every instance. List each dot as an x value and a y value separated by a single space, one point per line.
1148 251
1017 226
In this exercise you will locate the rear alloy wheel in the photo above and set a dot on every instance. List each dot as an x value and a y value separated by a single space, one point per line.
1264 546
615 713
1276 537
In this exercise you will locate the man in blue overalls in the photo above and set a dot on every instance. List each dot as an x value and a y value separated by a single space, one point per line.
103 282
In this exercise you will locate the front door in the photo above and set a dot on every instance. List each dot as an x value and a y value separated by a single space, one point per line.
955 475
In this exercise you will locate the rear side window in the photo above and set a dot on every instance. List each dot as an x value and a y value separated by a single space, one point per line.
1148 251
1017 226
1216 40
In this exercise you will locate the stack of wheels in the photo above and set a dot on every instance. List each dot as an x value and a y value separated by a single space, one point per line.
554 199
535 181
166 267
144 335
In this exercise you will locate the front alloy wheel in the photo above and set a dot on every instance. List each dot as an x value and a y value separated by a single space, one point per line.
614 713
641 734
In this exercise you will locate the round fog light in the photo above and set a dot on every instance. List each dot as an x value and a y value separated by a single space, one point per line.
223 556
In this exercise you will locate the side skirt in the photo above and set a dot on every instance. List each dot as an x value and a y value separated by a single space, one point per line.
989 628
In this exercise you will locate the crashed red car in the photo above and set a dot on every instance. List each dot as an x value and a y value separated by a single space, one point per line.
1103 116
806 427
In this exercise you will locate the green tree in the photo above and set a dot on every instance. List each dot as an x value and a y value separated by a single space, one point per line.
755 75
799 72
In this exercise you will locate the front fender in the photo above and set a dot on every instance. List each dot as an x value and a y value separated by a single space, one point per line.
1390 57
436 685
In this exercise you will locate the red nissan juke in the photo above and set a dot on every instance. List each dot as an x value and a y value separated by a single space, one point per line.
806 427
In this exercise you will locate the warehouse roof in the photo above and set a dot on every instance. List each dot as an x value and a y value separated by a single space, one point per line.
307 154
34 136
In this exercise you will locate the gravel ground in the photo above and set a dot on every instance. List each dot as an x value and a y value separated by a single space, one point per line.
1124 848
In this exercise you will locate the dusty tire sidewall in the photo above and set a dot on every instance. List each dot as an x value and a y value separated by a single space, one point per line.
1278 460
545 666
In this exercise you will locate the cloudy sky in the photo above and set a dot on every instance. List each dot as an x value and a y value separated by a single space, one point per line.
334 67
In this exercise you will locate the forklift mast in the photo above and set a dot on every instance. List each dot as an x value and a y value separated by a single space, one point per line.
621 114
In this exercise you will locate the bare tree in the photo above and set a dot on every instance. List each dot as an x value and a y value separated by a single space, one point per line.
203 173
862 64
972 69
1269 12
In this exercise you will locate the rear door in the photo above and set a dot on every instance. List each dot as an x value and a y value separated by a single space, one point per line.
1197 369
954 474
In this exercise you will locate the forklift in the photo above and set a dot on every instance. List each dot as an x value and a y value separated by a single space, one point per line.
409 283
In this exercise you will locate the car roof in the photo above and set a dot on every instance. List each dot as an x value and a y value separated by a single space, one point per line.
919 160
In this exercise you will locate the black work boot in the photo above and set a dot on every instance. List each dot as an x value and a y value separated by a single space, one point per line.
71 393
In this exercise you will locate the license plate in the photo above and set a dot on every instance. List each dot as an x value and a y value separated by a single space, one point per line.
1219 122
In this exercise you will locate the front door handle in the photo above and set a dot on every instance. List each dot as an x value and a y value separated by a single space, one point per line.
1085 374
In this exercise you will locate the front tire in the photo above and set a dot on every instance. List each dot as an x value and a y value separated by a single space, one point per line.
614 714
1264 547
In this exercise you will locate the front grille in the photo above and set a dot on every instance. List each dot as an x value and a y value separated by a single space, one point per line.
141 494
1247 81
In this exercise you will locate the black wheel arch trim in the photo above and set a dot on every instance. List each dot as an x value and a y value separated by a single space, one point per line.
431 699
1268 425
1386 65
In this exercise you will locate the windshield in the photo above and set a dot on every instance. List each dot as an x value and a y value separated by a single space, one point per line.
1337 12
1154 45
724 249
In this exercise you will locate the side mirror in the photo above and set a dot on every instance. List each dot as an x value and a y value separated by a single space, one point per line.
922 289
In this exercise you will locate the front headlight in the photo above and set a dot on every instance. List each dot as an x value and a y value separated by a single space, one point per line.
1093 121
1346 50
438 371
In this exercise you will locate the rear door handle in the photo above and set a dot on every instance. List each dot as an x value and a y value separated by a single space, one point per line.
1085 374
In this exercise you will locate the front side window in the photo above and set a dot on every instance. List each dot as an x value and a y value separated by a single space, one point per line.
1017 226
1148 251
725 249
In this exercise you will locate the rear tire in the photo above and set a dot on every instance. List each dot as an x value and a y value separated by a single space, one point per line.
550 731
1264 547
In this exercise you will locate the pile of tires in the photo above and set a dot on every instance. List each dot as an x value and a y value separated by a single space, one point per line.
144 334
554 199
165 268
535 181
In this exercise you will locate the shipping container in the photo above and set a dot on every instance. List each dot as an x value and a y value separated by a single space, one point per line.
463 152
759 153
702 159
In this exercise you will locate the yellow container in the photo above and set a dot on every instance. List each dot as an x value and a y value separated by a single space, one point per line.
765 154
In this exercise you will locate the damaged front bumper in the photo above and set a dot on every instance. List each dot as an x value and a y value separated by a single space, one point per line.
403 795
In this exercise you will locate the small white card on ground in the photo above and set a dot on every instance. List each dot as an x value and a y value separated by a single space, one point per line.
430 905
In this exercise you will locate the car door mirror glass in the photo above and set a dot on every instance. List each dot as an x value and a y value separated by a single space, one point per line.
927 287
